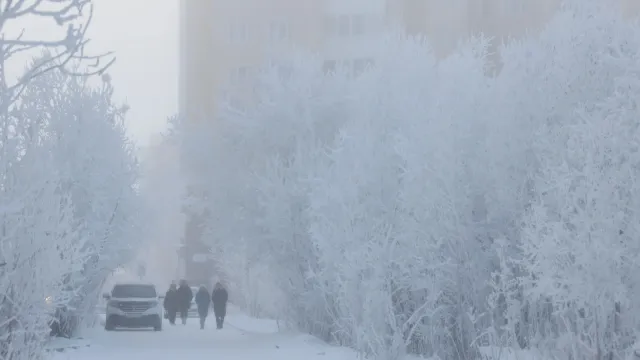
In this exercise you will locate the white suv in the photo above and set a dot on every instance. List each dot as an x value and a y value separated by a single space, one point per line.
133 306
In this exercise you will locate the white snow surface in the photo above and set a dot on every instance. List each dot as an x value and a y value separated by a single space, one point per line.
242 338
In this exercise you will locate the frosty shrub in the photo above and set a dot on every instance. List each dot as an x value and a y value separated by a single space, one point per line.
68 207
99 170
579 240
70 211
424 207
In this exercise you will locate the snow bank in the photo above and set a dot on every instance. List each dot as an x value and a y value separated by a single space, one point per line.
244 337
239 320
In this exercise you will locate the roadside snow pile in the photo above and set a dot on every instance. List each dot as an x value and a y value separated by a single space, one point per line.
239 320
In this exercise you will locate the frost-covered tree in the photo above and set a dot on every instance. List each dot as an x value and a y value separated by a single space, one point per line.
436 210
71 19
67 175
39 244
579 241
260 176
98 169
68 145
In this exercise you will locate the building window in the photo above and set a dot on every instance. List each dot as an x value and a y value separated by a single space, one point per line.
344 25
285 71
515 6
357 25
485 9
279 31
331 26
282 68
361 65
329 67
238 33
240 74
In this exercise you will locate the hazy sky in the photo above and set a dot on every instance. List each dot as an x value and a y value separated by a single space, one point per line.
144 35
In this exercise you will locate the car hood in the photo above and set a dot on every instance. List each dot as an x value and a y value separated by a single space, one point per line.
135 299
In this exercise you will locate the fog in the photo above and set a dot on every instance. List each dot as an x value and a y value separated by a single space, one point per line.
394 179
144 39
144 36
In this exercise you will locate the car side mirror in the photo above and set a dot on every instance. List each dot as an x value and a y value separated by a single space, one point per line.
106 296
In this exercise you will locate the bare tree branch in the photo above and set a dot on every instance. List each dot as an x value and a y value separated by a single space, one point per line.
75 15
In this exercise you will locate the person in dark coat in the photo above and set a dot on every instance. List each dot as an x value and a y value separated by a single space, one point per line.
171 303
203 301
185 295
219 297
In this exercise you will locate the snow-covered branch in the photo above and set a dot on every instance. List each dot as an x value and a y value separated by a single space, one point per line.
426 207
68 173
72 19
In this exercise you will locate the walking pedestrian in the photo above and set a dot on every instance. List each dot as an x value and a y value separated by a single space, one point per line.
171 303
185 295
219 297
203 302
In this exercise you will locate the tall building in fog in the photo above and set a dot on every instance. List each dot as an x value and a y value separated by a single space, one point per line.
223 41
446 22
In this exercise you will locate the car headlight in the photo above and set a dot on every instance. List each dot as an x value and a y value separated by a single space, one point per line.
48 300
155 303
112 303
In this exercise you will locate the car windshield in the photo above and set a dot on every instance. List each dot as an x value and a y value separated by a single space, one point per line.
134 291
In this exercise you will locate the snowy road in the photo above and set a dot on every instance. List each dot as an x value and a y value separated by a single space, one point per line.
242 338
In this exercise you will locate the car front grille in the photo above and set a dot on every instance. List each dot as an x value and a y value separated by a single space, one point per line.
134 307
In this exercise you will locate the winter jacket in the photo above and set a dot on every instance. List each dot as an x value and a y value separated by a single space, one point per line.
171 301
203 301
219 296
185 295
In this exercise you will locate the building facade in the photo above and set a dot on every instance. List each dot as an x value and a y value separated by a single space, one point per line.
223 42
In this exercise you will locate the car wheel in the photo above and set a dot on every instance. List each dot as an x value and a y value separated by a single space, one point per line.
158 326
108 324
